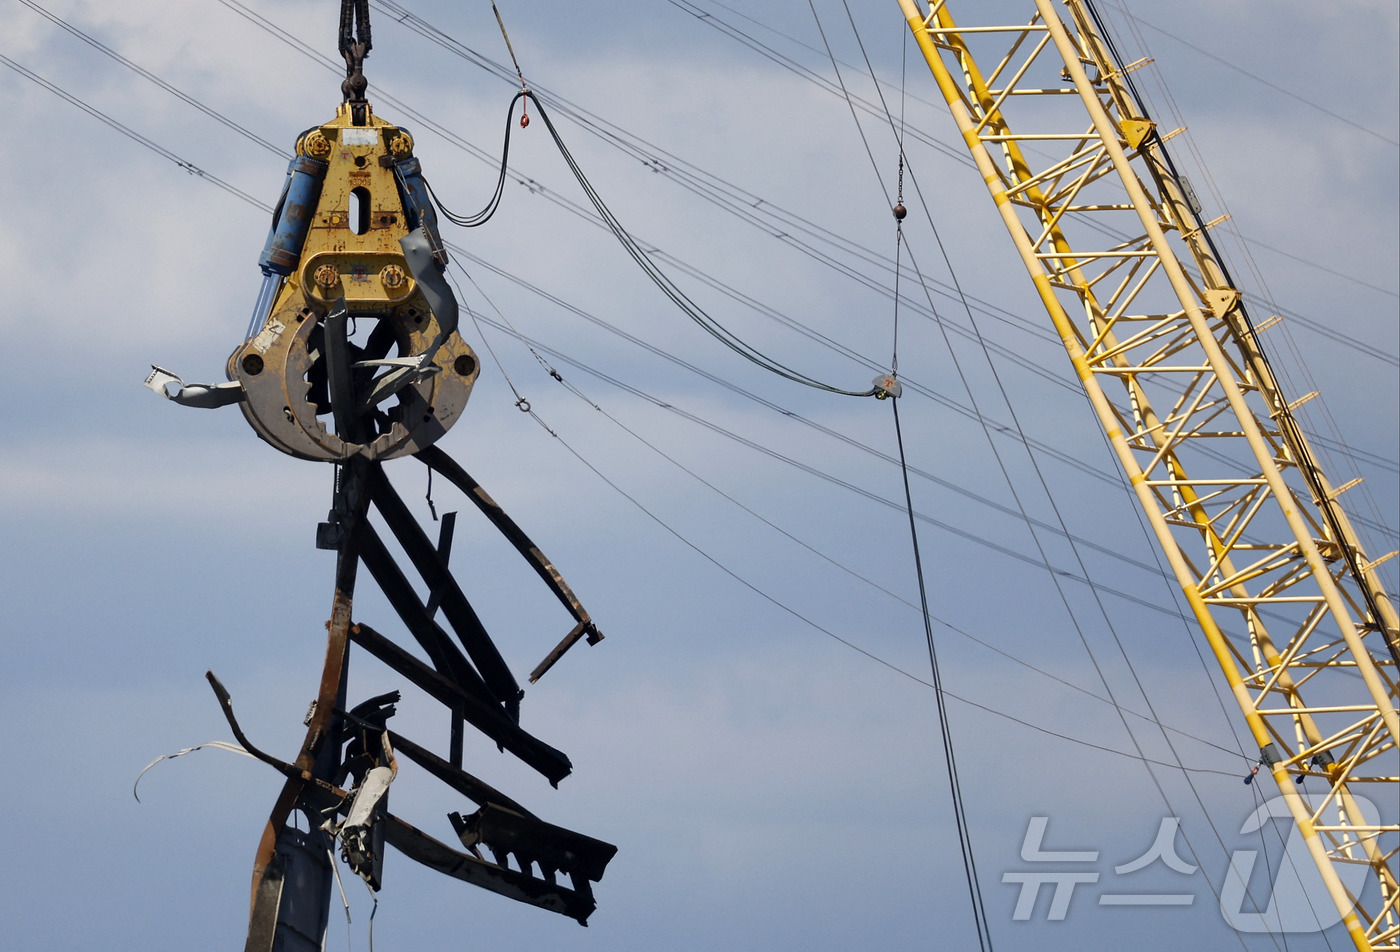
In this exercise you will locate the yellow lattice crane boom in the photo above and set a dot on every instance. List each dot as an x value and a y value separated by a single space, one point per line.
1289 602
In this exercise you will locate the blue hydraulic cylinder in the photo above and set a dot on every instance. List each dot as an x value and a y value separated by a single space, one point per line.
292 218
418 205
270 282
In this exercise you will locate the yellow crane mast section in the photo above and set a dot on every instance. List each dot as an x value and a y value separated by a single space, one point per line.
1288 600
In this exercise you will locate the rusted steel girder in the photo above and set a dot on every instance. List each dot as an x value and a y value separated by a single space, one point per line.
283 849
292 876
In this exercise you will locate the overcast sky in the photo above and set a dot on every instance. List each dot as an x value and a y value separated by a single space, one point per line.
769 787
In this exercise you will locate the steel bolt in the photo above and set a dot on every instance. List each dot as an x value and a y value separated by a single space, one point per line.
401 145
327 276
392 276
316 146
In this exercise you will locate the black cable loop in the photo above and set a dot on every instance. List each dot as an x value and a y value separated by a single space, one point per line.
483 216
674 293
634 250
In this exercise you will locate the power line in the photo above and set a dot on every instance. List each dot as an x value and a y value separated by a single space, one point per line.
1274 86
1315 326
153 78
132 134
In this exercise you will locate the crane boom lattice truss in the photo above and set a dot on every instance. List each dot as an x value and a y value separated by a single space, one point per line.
1160 338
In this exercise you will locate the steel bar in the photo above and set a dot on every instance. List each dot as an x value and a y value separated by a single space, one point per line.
445 656
444 588
475 790
449 468
434 854
487 718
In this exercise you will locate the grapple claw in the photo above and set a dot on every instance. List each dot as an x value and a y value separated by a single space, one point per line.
367 245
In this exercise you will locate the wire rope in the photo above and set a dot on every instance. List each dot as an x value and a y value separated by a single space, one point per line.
132 134
945 731
984 933
1228 64
156 80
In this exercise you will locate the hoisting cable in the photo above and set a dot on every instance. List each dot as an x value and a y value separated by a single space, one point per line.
979 910
979 907
892 390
